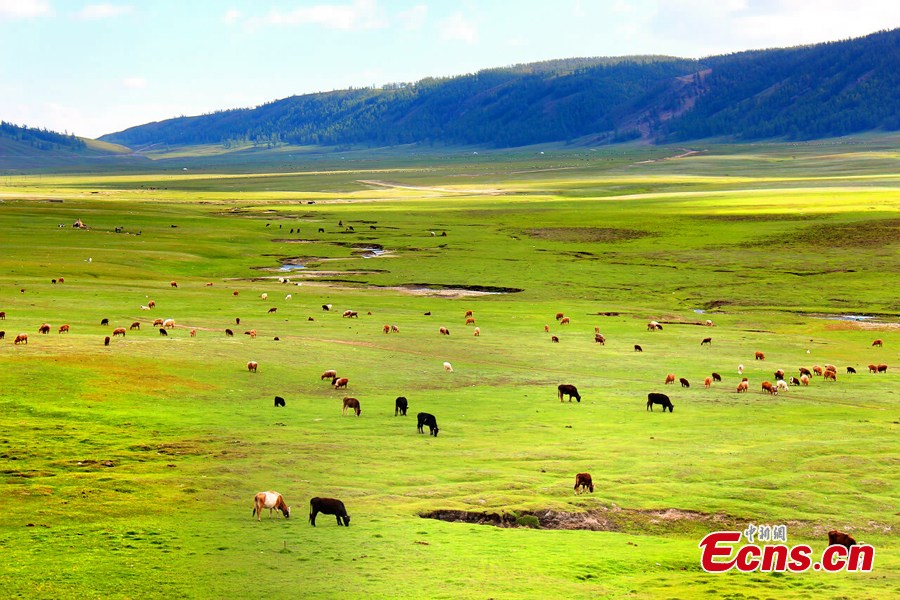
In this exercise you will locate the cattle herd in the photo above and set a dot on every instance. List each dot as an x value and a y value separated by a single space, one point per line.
583 482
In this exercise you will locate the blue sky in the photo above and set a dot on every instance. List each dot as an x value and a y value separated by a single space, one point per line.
95 68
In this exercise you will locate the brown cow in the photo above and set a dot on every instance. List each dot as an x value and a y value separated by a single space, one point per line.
157 323
598 338
339 383
386 328
564 321
351 403
805 371
272 501
395 329
151 304
804 379
873 368
252 366
546 329
229 333
106 341
193 333
559 316
63 329
2 315
174 284
135 325
470 321
329 374
273 309
22 338
743 387
234 293
839 538
251 333
583 482
44 328
768 388
707 382
119 331
554 339
760 356
878 343
469 313
706 341
817 370
832 375
444 331
670 378
882 368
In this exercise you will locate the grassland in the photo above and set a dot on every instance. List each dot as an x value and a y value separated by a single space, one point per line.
129 470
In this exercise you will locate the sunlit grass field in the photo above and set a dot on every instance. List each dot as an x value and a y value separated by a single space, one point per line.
130 468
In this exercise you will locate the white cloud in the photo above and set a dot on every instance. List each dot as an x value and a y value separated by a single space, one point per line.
414 18
24 9
456 27
94 12
135 83
361 14
232 15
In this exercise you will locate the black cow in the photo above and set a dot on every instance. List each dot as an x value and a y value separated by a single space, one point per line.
2 334
427 419
655 398
716 377
279 401
840 538
637 348
104 322
706 341
400 406
328 506
684 382
163 332
851 370
564 389
794 381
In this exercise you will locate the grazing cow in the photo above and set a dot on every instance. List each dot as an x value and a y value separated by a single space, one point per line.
873 368
174 284
273 309
157 322
653 326
564 321
395 329
832 375
559 316
151 304
779 374
477 331
350 314
684 382
670 378
830 368
169 323
22 338
288 297
104 322
235 293
706 341
328 506
709 323
469 313
251 333
817 370
106 341
326 307
386 328
740 369
252 366
264 296
716 377
163 332
444 331
135 325
599 339
781 385
237 320
637 348
804 379
839 538
707 382
63 329
44 328
279 401
61 280
546 329
583 482
321 230
768 388
209 284
193 333
448 367
229 333
2 335
424 419
661 399
882 368
878 343
470 321
340 383
427 313
329 374
400 406
742 387
851 371
794 381
272 501
119 331
565 389
3 316
352 404
760 356
554 339
143 307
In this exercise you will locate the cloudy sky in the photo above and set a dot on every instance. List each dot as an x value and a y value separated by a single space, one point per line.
95 68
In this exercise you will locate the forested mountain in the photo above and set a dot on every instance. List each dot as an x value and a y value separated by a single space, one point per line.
806 92
29 147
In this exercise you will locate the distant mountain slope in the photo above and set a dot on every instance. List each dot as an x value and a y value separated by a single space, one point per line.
27 147
798 93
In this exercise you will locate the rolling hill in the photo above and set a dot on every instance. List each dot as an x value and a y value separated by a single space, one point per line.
28 148
799 93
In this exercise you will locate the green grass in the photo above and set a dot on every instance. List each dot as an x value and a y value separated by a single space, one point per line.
130 469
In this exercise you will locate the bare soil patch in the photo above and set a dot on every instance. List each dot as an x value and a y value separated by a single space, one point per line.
602 235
